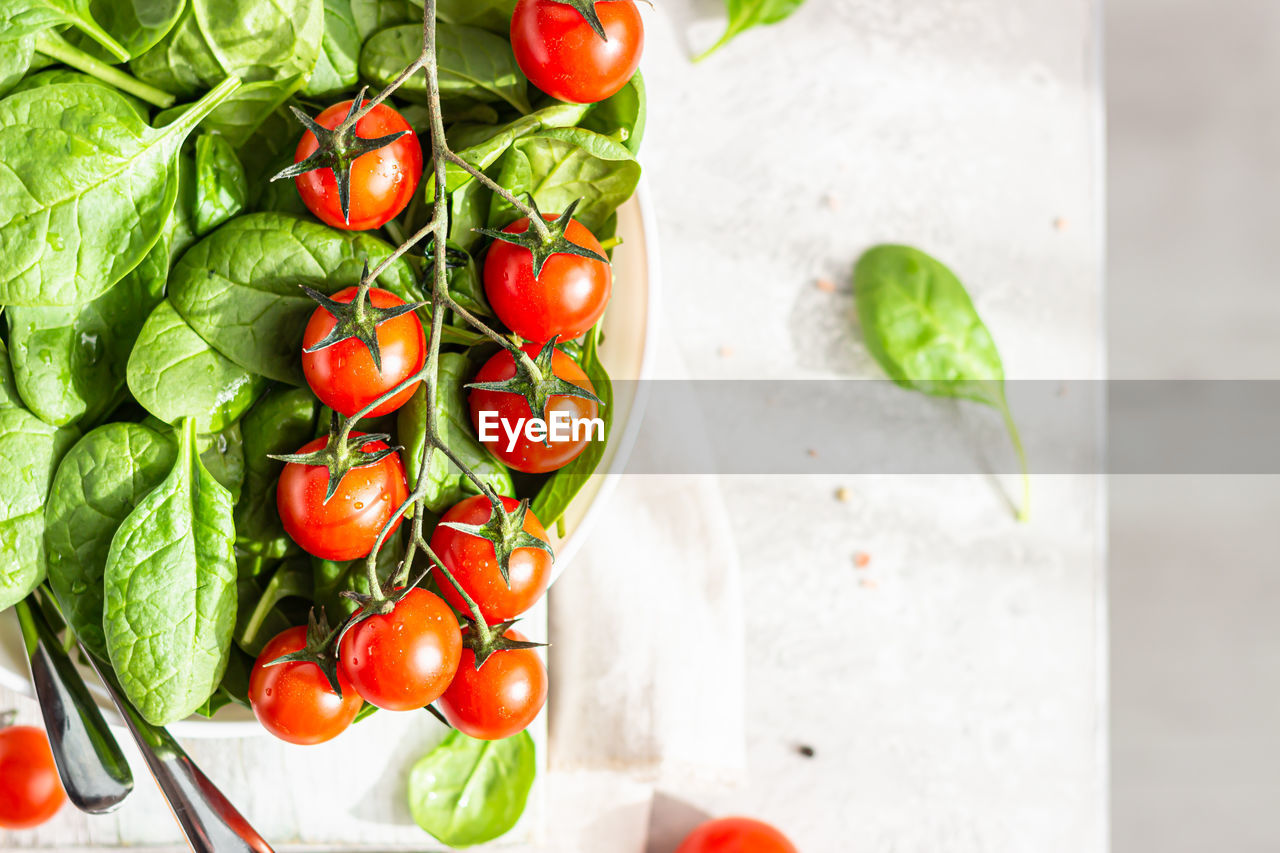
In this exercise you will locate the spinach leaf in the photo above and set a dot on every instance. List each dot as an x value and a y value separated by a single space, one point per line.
241 117
222 452
482 144
468 791
453 424
60 75
221 186
170 603
9 398
625 111
492 15
561 487
98 483
920 325
370 16
337 67
473 63
331 578
138 25
174 374
238 287
745 14
69 362
260 617
561 165
281 422
234 688
15 59
71 226
29 451
21 18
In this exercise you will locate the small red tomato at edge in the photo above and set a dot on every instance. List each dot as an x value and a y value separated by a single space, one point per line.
30 792
344 376
382 181
736 835
294 700
563 56
501 698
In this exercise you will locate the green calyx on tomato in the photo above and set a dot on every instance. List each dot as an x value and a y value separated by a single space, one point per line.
536 380
505 529
321 649
544 242
340 455
497 641
358 318
338 150
587 8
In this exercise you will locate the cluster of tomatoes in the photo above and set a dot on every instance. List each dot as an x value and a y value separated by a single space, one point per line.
415 654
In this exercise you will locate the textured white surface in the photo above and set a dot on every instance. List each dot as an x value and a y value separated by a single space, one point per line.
954 688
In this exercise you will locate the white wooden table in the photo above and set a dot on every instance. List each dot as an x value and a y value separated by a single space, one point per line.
954 689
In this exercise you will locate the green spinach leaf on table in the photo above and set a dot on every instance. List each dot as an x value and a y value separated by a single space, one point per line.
563 485
29 452
919 323
448 484
174 374
474 64
221 186
98 483
72 226
337 67
745 14
281 422
170 600
561 165
469 791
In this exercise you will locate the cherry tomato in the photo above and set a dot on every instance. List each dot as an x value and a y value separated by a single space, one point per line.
564 301
561 55
382 181
346 527
533 455
736 835
30 792
343 375
471 561
294 701
501 698
404 660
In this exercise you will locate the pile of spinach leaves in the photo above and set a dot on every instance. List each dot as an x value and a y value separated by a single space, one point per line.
152 316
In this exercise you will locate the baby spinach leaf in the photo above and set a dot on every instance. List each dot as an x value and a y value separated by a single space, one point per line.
920 325
174 374
448 484
281 422
98 483
221 186
170 602
626 111
9 398
56 76
468 791
561 487
15 59
473 63
745 14
29 451
239 290
20 18
234 687
136 24
561 165
73 225
222 452
370 16
492 15
259 615
337 67
482 144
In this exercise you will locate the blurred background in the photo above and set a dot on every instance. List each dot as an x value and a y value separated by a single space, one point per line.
1194 127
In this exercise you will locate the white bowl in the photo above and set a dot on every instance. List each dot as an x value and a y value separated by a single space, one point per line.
626 352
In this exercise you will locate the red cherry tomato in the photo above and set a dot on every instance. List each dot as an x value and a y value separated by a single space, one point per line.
561 55
294 701
501 698
346 527
30 792
404 660
736 835
471 561
344 377
564 301
533 455
382 181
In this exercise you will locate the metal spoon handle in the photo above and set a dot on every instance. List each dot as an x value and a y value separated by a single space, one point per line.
92 767
208 820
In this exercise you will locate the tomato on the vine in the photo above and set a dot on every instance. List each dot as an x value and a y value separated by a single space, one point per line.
293 700
563 301
496 415
404 659
736 835
561 54
30 792
474 564
499 699
347 526
382 181
344 376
